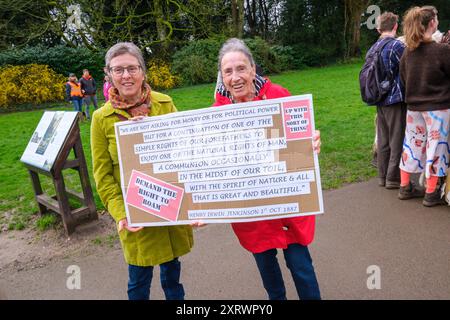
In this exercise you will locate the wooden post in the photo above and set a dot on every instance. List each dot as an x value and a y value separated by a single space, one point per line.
64 207
37 189
84 178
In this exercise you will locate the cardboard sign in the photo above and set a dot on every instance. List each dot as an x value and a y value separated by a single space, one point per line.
48 138
235 163
154 196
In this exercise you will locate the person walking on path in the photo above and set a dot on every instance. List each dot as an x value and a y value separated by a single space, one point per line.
89 90
425 72
391 111
143 248
241 83
73 93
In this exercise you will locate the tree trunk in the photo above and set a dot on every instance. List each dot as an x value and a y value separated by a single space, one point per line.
251 16
352 33
160 26
265 15
237 13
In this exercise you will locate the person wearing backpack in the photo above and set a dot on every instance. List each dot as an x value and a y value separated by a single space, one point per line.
380 86
425 72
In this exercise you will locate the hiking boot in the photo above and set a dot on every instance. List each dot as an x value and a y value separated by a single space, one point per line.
381 182
433 199
409 192
392 184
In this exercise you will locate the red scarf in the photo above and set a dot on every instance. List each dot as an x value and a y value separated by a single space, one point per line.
141 108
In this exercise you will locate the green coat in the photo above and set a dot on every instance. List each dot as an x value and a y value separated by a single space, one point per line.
152 245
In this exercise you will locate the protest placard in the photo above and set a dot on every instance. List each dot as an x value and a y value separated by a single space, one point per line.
241 162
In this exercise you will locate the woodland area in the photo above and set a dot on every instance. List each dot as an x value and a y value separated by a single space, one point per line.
163 26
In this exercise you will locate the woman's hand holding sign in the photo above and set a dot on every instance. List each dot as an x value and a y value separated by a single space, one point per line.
123 224
316 141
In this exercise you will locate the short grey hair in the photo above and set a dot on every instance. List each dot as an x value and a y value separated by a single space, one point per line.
122 48
233 45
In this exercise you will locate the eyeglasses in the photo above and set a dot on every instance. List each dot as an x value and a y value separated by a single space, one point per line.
118 71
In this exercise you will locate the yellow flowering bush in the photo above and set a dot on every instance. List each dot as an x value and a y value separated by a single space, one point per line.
31 83
159 75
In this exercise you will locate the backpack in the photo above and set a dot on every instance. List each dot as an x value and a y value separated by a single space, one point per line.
374 84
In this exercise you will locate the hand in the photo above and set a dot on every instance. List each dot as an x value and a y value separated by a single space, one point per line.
446 37
123 224
198 224
137 118
316 141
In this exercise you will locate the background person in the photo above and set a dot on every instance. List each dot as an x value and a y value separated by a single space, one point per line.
106 85
240 83
73 93
391 111
89 90
425 72
143 248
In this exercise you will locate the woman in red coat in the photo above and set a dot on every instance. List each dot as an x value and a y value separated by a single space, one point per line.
240 83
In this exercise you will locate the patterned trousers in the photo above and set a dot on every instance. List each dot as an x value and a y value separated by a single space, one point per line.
425 147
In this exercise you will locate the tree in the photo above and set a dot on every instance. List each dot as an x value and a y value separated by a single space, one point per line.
26 23
262 18
152 25
353 9
313 28
237 16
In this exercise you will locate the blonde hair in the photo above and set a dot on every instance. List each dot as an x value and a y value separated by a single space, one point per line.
415 24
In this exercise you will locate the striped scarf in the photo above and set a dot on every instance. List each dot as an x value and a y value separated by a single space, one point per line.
258 82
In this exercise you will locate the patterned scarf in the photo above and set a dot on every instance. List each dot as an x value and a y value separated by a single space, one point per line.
141 108
258 82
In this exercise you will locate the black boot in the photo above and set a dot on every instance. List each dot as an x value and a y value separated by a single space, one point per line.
409 192
433 199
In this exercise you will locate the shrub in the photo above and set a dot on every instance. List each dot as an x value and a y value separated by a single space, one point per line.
314 56
197 62
62 59
32 83
286 58
263 55
159 75
195 70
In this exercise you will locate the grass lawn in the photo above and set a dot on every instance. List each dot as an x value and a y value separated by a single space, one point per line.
346 126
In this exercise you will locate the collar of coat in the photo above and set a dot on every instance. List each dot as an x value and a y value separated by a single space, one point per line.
109 110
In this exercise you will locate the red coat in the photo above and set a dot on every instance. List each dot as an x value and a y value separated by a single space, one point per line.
263 235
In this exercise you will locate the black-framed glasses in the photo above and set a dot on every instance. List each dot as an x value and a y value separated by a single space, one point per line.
118 71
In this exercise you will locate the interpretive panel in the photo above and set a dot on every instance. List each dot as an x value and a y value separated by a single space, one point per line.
48 138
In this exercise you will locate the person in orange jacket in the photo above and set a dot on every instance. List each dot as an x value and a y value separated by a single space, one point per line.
73 92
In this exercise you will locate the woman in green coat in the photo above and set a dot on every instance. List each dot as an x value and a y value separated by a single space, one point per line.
144 248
